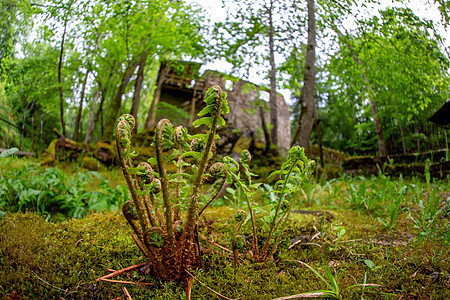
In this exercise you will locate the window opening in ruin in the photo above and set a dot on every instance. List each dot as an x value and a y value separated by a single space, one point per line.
264 95
229 85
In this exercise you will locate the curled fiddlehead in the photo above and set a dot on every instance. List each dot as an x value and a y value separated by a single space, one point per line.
211 116
124 128
234 177
238 241
162 235
163 138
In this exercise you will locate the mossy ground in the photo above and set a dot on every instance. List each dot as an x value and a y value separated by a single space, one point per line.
44 260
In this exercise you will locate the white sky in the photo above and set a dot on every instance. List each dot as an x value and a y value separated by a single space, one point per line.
425 9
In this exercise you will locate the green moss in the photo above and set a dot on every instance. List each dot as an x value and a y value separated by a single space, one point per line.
106 152
70 255
243 143
48 158
90 163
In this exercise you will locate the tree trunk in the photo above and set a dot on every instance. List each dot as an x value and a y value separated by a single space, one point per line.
319 139
76 134
32 135
105 90
262 115
438 137
377 122
237 90
446 139
42 126
7 136
61 52
101 115
151 116
93 118
137 90
308 113
416 129
22 130
403 137
273 85
61 96
428 135
116 103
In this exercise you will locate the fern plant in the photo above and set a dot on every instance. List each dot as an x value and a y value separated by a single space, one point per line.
165 206
292 173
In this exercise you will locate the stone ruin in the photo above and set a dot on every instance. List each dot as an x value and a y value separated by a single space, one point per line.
181 87
184 87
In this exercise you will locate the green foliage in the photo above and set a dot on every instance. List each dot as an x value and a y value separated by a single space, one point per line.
401 260
386 200
394 62
333 291
55 195
172 112
165 206
375 194
426 218
292 173
210 109
100 40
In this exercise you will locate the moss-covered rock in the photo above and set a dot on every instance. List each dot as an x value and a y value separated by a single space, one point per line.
90 163
48 157
243 143
106 152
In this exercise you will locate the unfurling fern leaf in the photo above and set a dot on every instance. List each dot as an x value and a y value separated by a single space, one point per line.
163 210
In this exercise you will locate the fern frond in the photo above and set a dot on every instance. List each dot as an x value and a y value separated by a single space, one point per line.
202 121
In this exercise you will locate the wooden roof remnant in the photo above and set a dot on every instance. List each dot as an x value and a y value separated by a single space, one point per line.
442 116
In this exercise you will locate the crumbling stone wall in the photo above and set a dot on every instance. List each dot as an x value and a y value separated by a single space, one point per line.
243 101
245 113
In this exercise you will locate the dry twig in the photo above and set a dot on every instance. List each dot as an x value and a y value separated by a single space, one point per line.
50 285
217 293
117 273
127 295
215 244
305 295
124 282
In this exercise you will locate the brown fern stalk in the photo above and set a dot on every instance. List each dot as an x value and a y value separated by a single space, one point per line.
274 223
169 243
123 137
164 182
179 141
197 185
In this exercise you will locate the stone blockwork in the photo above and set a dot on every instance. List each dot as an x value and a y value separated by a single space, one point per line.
244 99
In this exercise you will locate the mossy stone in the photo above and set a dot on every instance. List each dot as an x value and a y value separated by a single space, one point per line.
106 152
243 143
49 157
90 163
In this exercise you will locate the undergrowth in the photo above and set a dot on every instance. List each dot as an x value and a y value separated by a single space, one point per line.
56 194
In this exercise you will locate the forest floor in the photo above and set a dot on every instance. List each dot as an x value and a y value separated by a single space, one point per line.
368 238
